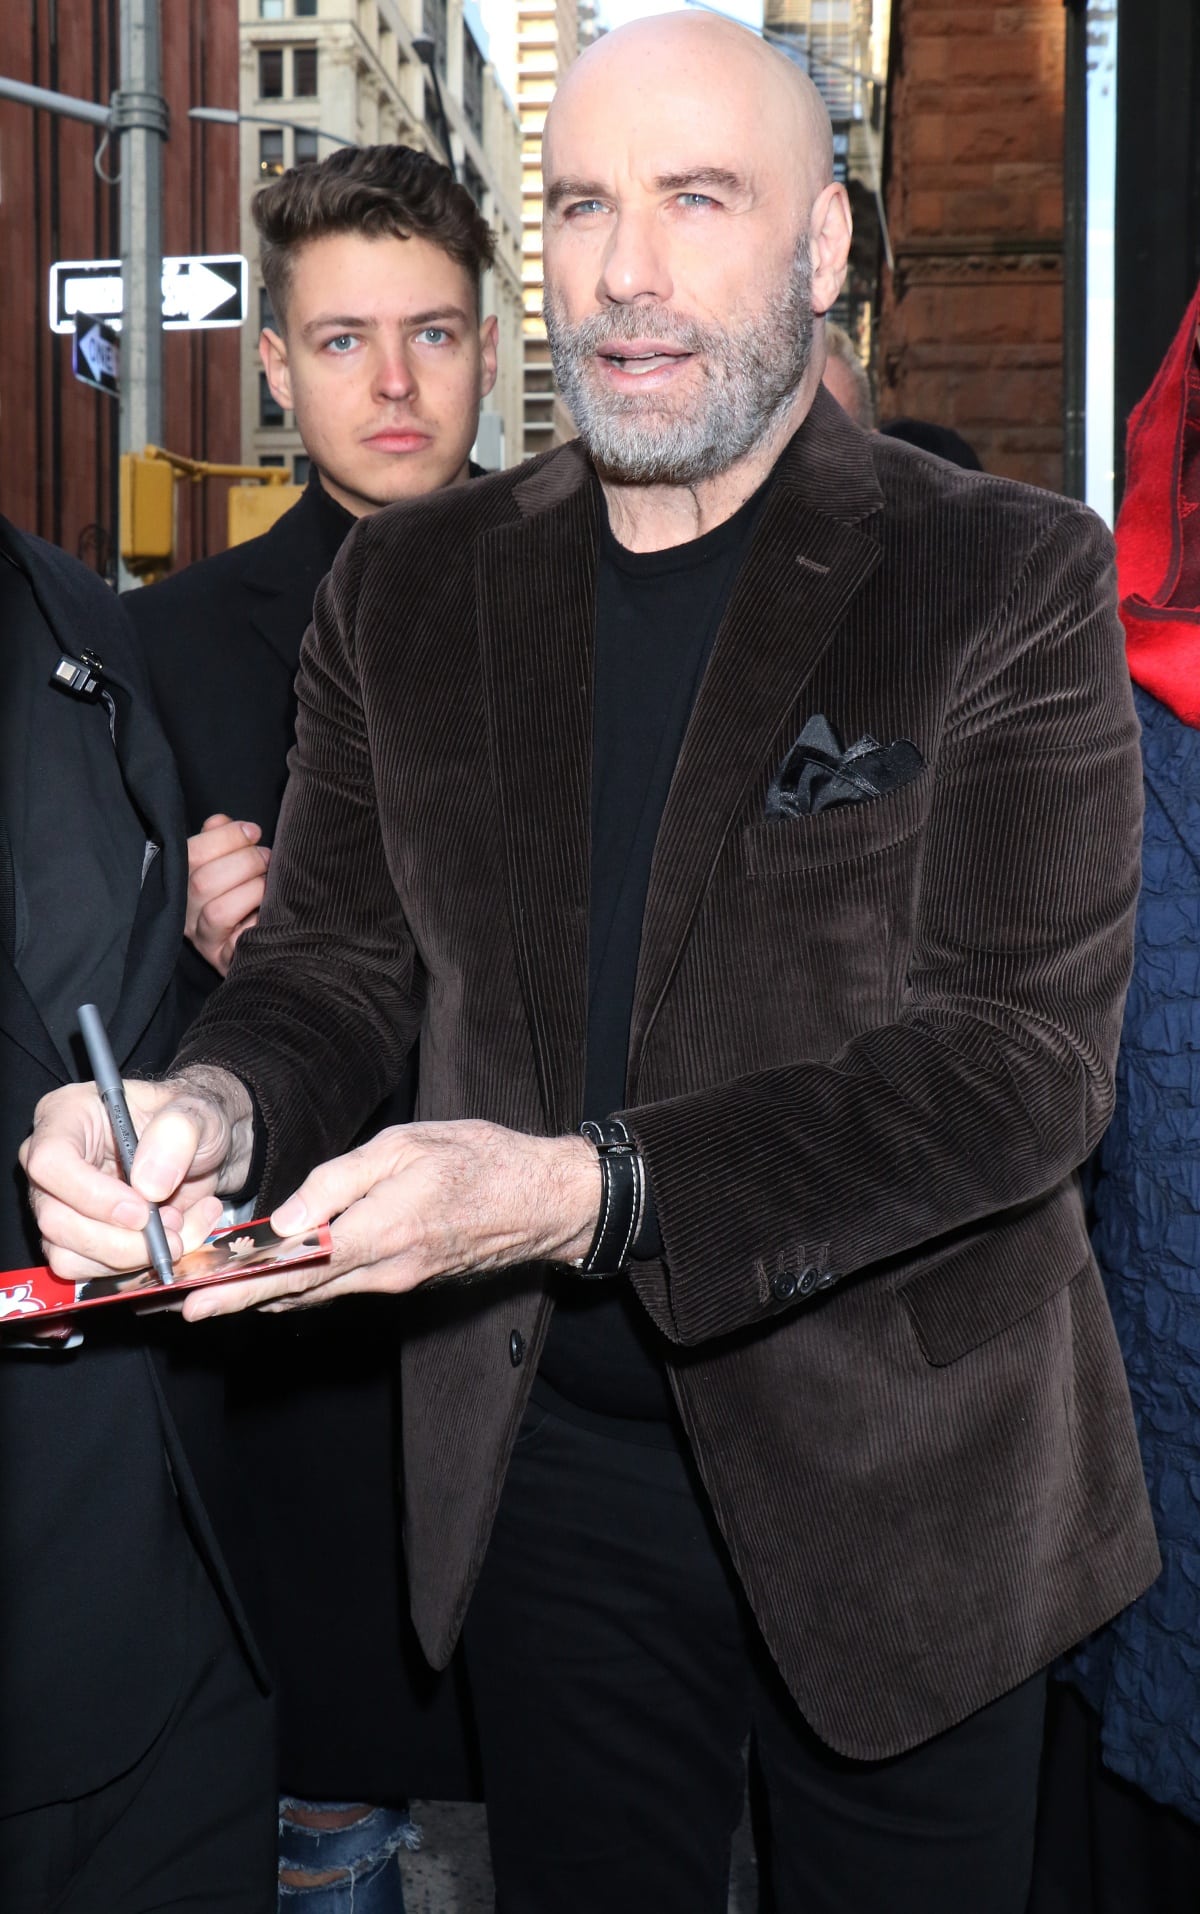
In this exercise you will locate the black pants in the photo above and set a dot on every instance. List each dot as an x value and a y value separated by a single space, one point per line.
617 1674
1103 1847
190 1829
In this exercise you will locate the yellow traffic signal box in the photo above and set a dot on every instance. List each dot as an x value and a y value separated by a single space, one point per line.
147 513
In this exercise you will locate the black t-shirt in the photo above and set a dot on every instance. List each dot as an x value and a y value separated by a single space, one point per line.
657 614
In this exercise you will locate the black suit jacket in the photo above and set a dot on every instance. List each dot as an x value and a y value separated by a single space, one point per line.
93 1545
221 641
315 1533
869 1047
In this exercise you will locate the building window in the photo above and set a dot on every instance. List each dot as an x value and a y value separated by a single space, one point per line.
270 9
306 146
306 9
304 73
271 458
270 151
266 317
434 18
472 82
270 412
301 467
474 182
270 73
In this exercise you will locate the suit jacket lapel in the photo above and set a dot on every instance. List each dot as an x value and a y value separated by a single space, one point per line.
536 590
281 613
19 1018
807 560
281 618
22 1023
282 572
149 775
154 939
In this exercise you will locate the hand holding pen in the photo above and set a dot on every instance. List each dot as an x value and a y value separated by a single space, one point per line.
194 1138
112 1095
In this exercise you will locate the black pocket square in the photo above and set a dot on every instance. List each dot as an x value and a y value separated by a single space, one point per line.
817 774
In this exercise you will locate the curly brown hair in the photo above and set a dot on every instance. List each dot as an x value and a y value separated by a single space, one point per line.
380 191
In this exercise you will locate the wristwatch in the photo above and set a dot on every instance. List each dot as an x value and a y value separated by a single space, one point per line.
623 1197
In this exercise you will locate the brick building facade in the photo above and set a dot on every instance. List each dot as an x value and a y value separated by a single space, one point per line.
972 317
59 437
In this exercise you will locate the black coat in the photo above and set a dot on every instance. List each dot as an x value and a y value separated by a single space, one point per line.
318 1546
93 1548
221 641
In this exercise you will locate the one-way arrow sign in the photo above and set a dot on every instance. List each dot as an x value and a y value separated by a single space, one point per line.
196 289
199 291
96 354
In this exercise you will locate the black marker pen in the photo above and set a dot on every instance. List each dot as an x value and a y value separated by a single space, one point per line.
112 1096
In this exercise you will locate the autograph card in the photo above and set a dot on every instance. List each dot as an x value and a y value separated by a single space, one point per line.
248 1249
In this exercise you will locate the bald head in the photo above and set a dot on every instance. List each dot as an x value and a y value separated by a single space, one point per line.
693 233
699 63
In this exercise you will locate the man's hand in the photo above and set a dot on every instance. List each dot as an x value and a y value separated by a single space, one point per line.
196 1138
227 875
427 1200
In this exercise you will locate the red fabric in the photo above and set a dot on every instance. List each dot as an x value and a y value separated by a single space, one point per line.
1158 530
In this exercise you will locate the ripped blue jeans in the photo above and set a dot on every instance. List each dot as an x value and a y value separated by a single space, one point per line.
364 1858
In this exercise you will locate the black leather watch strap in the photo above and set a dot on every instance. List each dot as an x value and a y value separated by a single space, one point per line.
623 1198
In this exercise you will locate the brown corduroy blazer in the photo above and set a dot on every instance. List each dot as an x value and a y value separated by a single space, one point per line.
870 1047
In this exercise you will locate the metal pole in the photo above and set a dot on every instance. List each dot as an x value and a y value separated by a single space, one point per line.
139 118
229 116
41 96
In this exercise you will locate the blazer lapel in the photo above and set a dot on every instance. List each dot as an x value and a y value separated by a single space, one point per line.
154 939
149 775
282 572
808 558
281 617
536 590
19 1017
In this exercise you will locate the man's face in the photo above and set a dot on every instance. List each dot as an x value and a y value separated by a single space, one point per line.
679 272
639 428
384 362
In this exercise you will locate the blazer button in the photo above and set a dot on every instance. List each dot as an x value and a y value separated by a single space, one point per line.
516 1348
783 1286
808 1280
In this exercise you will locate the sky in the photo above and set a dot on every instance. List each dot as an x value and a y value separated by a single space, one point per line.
614 13
499 22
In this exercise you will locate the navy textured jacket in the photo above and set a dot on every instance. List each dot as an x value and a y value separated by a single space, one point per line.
1142 1672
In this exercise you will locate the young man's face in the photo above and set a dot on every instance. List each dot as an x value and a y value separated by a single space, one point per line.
384 362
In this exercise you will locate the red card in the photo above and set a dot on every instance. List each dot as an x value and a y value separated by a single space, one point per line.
247 1249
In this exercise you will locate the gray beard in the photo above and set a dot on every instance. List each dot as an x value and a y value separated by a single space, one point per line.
752 374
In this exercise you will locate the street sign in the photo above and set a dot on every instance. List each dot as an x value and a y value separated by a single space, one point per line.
200 291
96 354
204 291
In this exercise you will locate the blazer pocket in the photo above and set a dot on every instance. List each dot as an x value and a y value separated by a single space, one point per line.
839 835
1005 1272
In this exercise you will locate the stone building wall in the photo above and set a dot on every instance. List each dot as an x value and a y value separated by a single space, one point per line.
971 327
